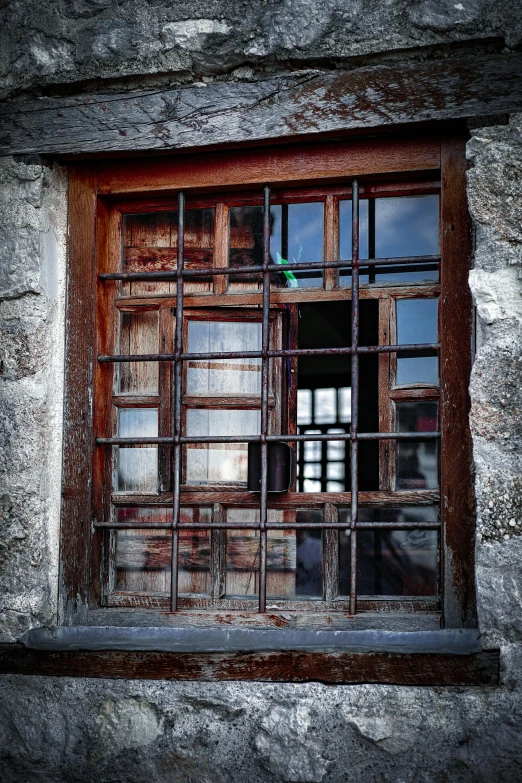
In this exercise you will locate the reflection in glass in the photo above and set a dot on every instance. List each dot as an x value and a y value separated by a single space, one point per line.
417 461
219 462
401 226
227 376
391 562
294 557
194 553
406 226
143 556
138 465
296 235
417 323
143 560
345 239
139 335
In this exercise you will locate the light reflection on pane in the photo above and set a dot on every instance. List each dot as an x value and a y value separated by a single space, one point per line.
138 466
194 553
406 226
143 561
297 236
417 323
139 334
345 239
417 461
304 406
345 404
391 562
391 227
227 376
219 462
325 406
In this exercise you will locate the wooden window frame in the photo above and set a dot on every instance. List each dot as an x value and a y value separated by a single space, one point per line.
95 187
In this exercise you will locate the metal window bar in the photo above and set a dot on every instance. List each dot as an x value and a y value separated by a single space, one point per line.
265 355
265 341
176 412
354 467
248 270
169 357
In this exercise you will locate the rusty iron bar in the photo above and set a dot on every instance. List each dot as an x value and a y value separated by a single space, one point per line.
334 436
168 357
248 270
269 525
177 406
265 343
354 467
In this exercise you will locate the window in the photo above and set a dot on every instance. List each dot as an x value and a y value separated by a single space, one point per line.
294 320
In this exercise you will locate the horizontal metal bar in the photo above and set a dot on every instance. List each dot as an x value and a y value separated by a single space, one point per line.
270 525
275 438
169 357
182 639
247 270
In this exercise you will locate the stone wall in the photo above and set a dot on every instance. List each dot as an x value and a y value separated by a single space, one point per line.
61 729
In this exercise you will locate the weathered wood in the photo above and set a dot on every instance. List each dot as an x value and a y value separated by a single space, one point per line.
455 329
218 555
75 526
327 667
420 497
234 112
330 555
280 296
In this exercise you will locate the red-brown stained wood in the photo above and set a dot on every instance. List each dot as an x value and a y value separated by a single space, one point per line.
326 667
455 329
279 165
78 436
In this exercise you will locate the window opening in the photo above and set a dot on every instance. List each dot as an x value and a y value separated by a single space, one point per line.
353 432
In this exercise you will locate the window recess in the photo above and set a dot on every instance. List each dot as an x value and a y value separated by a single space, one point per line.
306 316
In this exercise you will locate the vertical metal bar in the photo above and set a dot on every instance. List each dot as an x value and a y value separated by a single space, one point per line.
371 238
264 400
355 396
176 406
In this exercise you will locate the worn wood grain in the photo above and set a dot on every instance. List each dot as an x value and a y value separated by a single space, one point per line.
455 329
75 526
285 666
236 112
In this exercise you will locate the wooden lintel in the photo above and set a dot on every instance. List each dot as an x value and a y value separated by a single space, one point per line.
228 112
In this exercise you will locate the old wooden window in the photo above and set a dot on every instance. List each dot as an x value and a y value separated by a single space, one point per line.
312 296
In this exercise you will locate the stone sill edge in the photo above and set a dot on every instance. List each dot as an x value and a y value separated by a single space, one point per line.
196 640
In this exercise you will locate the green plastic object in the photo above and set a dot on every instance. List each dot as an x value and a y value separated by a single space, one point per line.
291 279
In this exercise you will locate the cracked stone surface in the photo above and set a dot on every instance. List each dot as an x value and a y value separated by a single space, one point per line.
58 42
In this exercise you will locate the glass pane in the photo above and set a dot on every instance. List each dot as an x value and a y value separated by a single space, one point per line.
143 561
137 466
296 234
417 323
143 557
219 462
294 557
417 460
393 227
194 553
406 226
199 238
150 240
139 334
391 562
345 239
227 376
